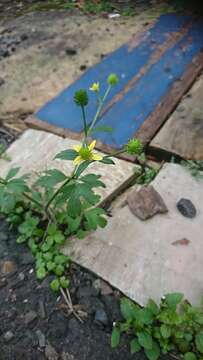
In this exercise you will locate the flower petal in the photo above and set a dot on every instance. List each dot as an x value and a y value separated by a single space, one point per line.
77 147
77 160
92 145
96 157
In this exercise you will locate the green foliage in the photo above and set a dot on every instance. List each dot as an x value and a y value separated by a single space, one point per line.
174 325
55 205
3 154
194 167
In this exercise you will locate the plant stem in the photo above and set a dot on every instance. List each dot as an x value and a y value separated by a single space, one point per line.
101 103
84 122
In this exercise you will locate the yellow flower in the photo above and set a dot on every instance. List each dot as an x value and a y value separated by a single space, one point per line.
95 87
86 153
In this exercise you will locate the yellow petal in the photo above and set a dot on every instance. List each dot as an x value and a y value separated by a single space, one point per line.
92 145
96 157
77 160
77 147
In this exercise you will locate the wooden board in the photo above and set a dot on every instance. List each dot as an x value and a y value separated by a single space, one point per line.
155 70
147 259
182 134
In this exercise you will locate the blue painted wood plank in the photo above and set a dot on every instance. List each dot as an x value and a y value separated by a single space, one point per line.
126 62
127 115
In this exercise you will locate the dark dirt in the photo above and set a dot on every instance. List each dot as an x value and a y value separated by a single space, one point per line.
34 323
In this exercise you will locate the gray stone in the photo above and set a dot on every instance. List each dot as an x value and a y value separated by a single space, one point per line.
51 353
186 208
30 316
101 317
8 336
146 202
41 338
21 276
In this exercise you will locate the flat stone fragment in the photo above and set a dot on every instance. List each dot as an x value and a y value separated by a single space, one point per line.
146 202
139 258
35 150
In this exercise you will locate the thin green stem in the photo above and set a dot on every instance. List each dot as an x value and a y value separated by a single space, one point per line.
84 121
60 188
101 103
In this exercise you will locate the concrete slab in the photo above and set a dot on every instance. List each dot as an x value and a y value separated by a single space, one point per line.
140 257
183 132
34 151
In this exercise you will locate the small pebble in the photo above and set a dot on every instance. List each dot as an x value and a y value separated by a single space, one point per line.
101 317
8 336
186 208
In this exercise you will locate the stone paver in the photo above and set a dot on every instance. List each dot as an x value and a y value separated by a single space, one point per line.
145 258
35 150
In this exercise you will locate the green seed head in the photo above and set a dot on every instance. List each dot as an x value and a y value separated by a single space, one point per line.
81 97
112 79
134 147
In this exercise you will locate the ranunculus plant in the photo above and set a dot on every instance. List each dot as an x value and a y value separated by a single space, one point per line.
56 206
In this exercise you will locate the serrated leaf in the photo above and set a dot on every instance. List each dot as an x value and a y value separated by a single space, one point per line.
145 316
64 282
153 307
145 340
18 186
67 155
93 180
41 273
190 356
165 331
55 285
12 173
50 266
199 341
59 270
154 352
134 346
51 178
173 300
81 234
127 308
115 337
107 160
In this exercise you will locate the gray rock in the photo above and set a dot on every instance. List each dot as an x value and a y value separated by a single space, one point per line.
50 353
21 276
146 202
30 316
186 208
101 317
41 338
8 336
86 291
3 282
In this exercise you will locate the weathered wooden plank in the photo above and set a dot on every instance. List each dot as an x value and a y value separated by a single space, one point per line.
147 259
139 108
182 134
35 150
